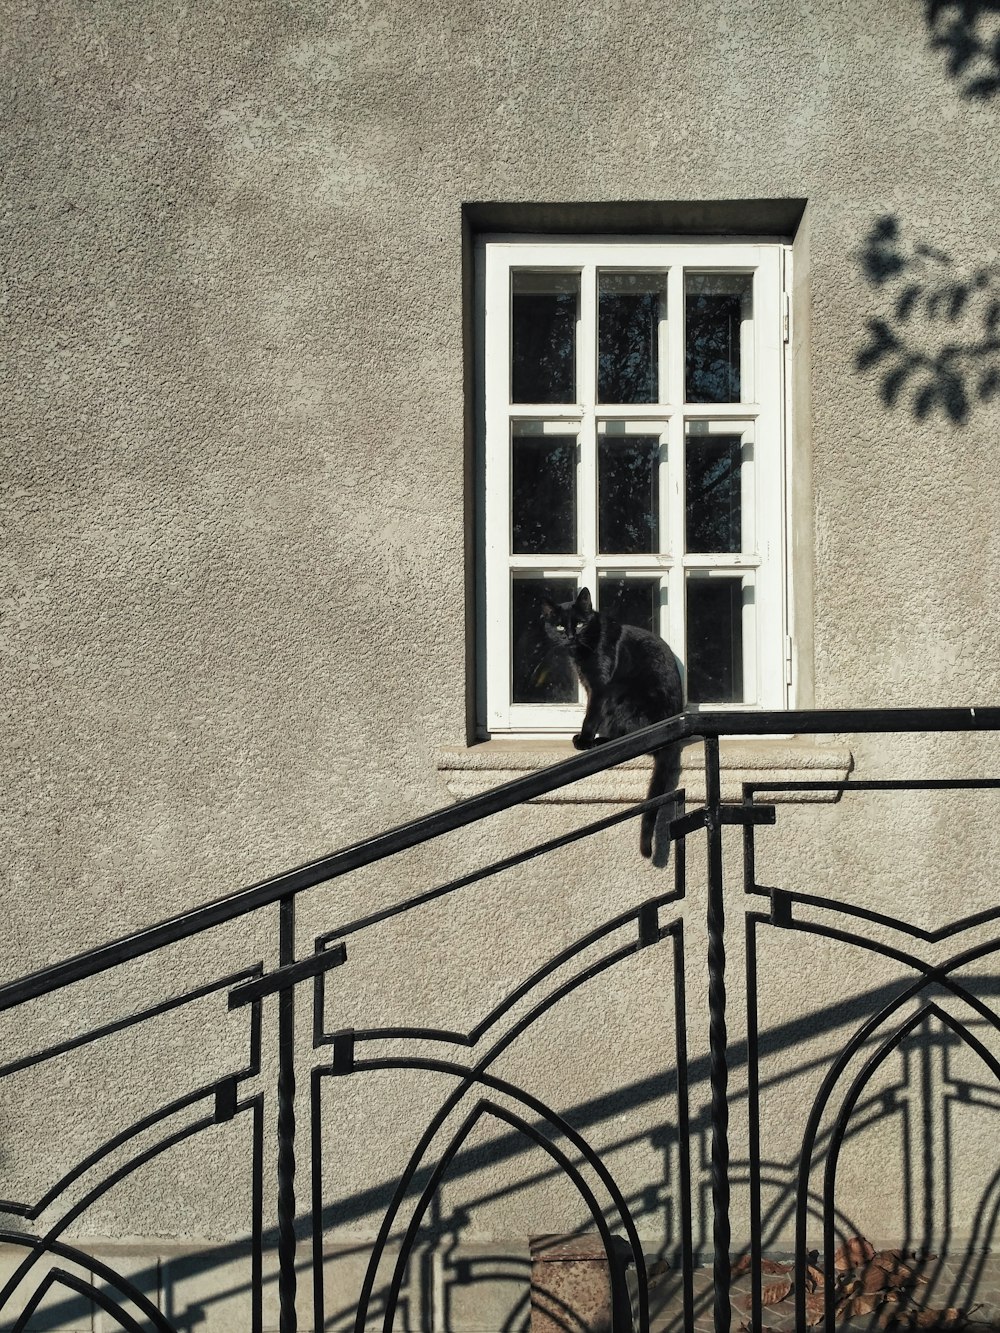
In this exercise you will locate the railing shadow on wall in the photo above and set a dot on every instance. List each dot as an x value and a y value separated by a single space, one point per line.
430 1235
439 1249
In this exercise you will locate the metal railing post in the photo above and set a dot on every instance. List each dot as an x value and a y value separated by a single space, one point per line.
286 1124
719 1073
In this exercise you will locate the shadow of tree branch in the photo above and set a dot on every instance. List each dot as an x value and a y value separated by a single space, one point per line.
938 347
968 31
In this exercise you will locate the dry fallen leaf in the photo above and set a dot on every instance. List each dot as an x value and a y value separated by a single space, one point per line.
815 1280
773 1292
853 1253
875 1278
864 1303
656 1272
913 1318
815 1310
891 1263
772 1266
740 1265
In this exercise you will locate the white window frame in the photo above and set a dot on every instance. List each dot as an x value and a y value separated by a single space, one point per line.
762 415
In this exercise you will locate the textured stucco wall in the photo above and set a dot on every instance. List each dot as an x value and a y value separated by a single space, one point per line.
235 547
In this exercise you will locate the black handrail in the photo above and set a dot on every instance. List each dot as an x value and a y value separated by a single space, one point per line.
686 726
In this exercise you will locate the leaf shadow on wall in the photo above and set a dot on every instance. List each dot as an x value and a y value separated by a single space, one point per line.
937 349
969 32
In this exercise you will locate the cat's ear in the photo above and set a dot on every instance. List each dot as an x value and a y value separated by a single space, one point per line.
549 609
583 602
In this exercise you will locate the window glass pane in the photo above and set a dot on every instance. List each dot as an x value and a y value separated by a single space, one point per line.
628 508
542 673
716 307
543 492
630 601
630 308
713 490
544 310
714 640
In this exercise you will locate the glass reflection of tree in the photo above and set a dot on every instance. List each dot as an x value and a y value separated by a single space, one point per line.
628 345
627 481
543 350
714 641
543 496
714 498
713 322
631 601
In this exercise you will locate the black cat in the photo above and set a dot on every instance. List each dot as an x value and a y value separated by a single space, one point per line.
631 680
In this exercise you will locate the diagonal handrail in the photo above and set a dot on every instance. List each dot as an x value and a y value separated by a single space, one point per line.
685 726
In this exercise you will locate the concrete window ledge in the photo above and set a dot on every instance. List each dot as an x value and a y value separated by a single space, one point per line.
468 771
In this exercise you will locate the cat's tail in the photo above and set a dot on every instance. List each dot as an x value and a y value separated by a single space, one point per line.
666 775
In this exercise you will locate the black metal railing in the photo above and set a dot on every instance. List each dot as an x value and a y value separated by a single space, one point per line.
479 1093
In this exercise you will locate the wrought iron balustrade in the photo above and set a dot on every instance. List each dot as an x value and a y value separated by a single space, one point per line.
259 990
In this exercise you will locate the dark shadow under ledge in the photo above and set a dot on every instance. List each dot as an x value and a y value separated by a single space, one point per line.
470 770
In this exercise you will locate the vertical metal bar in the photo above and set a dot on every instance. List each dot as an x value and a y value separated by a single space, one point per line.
753 1071
683 1128
286 1125
830 1233
315 1115
257 1222
753 1110
719 1073
801 1224
928 1148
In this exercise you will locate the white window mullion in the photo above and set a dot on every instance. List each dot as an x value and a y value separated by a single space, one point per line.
751 643
496 388
587 391
769 615
673 628
786 464
675 340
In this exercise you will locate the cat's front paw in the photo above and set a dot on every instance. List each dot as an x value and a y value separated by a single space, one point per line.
583 742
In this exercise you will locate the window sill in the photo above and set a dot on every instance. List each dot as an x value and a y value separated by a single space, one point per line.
469 771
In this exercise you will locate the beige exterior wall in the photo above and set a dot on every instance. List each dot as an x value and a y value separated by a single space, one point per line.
237 581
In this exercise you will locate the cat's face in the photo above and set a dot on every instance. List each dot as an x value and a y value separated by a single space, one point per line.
566 622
